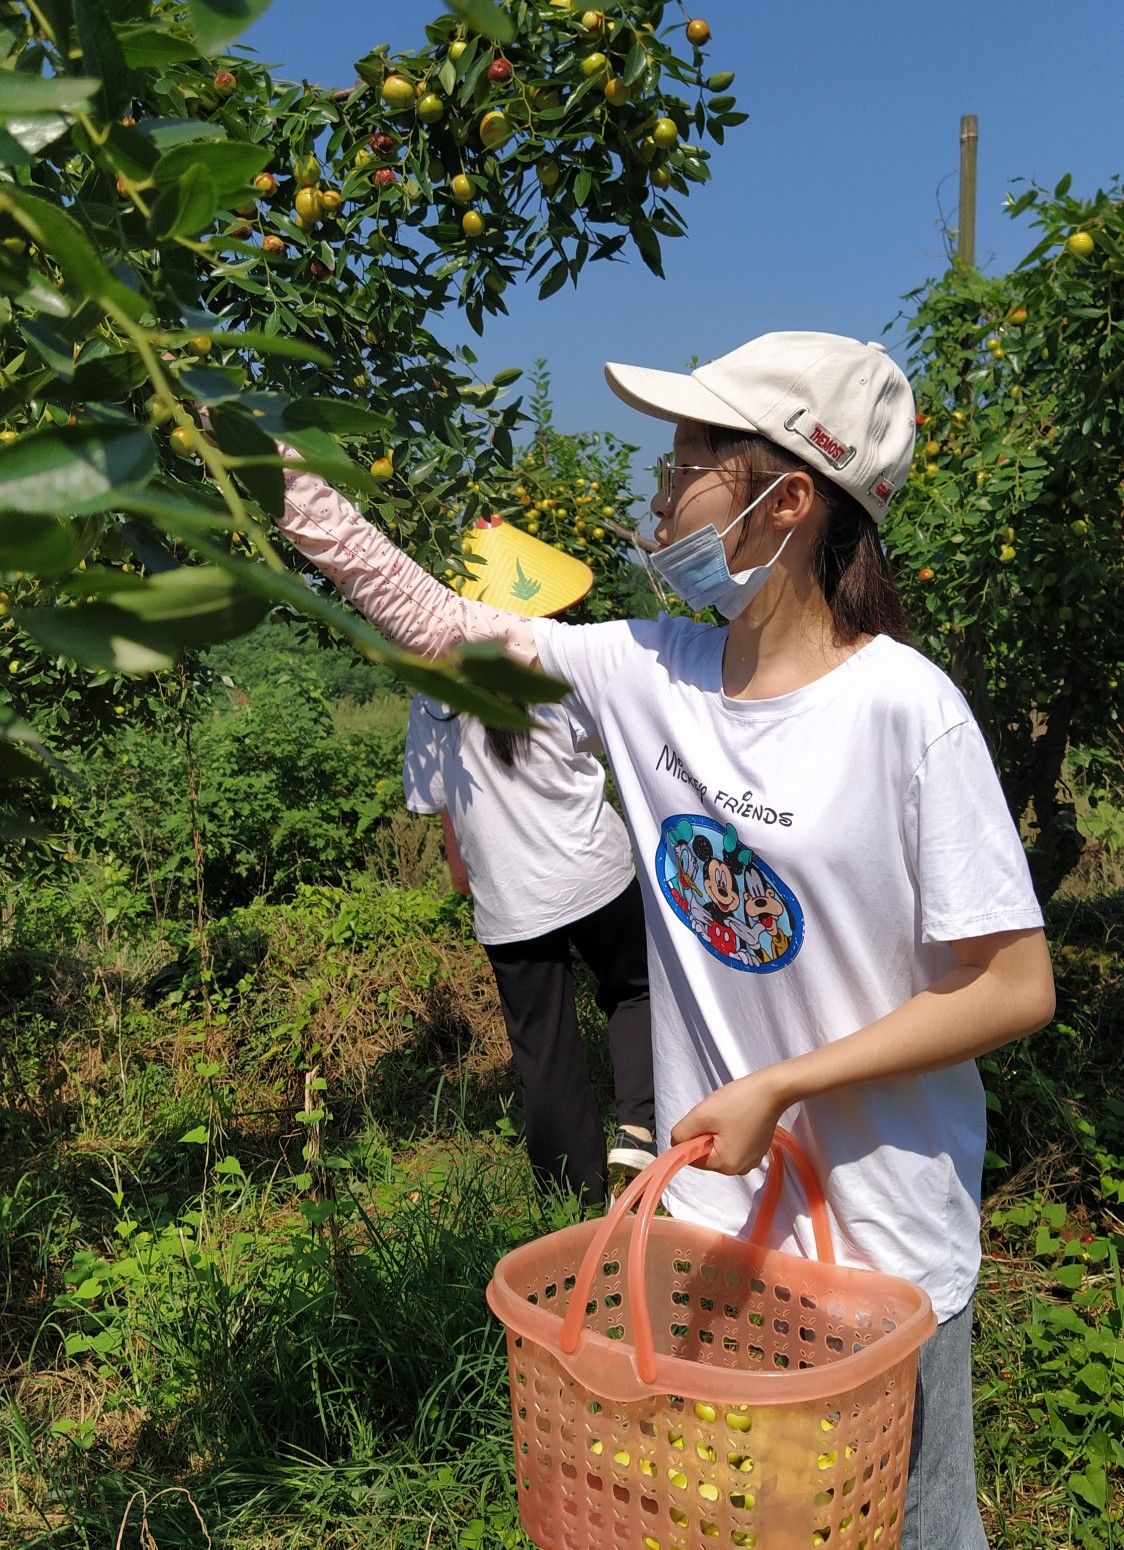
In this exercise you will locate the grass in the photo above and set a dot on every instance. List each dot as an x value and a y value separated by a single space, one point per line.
246 1222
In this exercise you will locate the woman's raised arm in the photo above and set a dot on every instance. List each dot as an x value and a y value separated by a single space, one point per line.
404 601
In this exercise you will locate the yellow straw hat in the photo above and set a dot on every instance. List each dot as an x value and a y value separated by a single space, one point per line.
521 573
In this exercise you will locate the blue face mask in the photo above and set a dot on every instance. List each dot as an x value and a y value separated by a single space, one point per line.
696 569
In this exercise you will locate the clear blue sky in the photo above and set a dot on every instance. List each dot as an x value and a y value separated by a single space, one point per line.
823 209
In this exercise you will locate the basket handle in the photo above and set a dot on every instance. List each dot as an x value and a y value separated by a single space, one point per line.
648 1187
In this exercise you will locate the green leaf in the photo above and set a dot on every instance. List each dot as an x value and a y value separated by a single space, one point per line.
107 379
720 81
230 164
338 416
486 667
635 65
213 384
98 635
151 47
216 23
69 469
101 55
168 132
24 138
60 235
131 153
183 518
186 207
1091 1486
17 768
44 546
485 18
55 346
442 682
197 1137
148 626
194 605
238 435
554 279
22 94
273 344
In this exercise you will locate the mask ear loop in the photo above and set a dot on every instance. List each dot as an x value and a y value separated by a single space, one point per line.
743 514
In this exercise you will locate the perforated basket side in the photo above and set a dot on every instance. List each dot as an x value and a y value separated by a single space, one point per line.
669 1473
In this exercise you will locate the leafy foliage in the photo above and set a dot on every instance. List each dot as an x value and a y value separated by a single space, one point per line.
177 229
1009 535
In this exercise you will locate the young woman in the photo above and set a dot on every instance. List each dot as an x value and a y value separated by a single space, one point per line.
840 916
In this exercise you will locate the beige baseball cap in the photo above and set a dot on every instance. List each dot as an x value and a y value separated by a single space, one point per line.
840 406
520 572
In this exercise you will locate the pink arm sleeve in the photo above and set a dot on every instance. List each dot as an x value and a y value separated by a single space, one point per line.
406 603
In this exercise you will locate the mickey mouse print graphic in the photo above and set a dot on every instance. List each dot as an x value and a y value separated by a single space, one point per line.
735 904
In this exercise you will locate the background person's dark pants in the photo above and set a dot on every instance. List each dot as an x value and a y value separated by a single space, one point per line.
565 1133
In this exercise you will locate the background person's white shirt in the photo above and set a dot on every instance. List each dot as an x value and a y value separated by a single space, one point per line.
541 845
805 861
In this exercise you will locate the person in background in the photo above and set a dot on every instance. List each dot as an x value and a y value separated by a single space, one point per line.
840 914
530 836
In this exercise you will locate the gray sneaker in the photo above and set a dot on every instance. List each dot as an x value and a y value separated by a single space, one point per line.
631 1153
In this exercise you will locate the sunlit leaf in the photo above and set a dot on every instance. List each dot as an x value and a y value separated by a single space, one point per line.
229 164
195 605
21 139
147 46
145 628
99 635
216 23
69 469
22 94
485 18
338 416
272 344
168 132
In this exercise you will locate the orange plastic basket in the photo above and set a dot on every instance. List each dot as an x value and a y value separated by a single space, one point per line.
673 1388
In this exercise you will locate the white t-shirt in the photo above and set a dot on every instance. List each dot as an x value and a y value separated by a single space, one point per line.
541 845
805 861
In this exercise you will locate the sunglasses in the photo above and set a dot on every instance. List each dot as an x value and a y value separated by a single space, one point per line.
666 467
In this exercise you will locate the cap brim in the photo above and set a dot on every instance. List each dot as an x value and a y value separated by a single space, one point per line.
670 395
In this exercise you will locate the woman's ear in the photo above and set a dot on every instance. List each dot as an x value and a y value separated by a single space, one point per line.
793 501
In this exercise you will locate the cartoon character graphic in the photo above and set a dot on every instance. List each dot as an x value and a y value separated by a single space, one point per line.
763 911
741 911
685 887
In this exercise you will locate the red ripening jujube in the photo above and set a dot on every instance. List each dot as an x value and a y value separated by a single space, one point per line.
499 71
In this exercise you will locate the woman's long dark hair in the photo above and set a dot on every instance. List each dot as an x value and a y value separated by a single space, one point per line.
508 747
849 564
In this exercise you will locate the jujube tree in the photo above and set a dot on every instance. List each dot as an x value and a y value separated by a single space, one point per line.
178 229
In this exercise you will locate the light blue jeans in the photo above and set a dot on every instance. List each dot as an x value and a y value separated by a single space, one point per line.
941 1511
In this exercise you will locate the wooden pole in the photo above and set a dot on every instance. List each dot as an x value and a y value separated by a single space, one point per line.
966 224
